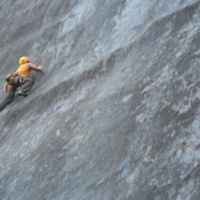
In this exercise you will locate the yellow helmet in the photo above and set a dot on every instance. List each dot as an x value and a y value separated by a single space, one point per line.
24 60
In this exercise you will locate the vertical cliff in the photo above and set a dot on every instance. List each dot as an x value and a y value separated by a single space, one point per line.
115 116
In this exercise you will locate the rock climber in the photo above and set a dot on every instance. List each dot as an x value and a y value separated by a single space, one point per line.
20 82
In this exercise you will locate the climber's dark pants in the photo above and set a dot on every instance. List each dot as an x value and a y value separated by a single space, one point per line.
25 87
8 100
28 84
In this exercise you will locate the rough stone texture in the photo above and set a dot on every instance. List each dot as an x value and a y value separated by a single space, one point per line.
116 114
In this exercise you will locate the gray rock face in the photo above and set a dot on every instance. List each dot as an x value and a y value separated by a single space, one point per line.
116 114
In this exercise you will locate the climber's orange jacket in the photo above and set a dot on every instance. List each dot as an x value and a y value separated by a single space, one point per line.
23 70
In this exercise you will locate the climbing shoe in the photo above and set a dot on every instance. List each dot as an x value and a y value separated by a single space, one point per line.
20 93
